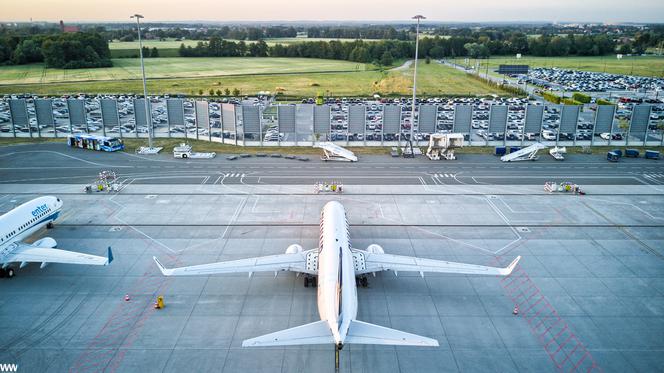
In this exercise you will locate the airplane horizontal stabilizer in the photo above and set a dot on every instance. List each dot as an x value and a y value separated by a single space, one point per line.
308 334
364 333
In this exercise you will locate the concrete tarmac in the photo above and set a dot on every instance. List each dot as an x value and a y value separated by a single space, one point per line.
589 289
56 164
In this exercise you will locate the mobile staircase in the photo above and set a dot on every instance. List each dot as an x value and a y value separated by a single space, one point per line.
526 154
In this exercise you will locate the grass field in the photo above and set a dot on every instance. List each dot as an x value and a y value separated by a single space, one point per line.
433 79
638 65
173 44
176 67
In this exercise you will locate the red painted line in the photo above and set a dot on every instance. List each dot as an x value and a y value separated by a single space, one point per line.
534 304
561 345
576 366
514 272
524 292
537 314
549 328
509 284
567 356
594 366
555 337
552 315
535 291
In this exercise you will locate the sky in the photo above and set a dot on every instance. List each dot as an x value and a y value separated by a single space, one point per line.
611 11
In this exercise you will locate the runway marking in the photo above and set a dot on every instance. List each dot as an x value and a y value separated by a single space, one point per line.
62 154
506 221
651 216
382 214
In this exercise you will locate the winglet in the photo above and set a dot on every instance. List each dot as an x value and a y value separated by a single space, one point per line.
164 271
510 268
109 256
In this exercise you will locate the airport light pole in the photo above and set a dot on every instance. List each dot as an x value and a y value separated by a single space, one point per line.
148 120
417 44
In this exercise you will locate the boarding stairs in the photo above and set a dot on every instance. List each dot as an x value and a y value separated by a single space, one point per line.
526 154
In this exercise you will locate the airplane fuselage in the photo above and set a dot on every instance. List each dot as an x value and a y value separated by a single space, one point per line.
337 291
26 219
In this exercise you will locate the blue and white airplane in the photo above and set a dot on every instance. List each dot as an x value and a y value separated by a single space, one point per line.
22 222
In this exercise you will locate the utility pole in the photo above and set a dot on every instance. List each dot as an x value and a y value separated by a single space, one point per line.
148 120
417 43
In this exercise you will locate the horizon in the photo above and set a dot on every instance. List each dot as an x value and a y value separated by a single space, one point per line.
368 11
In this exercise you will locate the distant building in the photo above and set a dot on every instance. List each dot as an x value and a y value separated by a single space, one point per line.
64 28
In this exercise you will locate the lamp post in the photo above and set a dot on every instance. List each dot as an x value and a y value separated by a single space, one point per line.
417 44
148 120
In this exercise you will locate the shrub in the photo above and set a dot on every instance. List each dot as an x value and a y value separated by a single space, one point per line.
585 99
570 101
603 102
551 97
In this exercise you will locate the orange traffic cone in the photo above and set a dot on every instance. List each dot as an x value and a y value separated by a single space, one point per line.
516 310
126 297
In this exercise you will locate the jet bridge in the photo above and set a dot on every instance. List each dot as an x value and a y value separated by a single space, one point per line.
526 154
334 152
442 145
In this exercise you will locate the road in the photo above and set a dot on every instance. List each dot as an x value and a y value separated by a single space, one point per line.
57 164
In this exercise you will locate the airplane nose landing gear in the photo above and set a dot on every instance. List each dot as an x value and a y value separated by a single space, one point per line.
362 281
310 281
337 348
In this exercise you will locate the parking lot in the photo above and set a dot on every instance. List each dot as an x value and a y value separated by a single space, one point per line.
351 121
588 81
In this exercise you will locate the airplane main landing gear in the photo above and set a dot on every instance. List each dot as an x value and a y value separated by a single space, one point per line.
362 281
310 281
49 225
8 272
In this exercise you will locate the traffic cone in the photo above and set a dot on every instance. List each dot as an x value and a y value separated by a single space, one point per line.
126 297
516 310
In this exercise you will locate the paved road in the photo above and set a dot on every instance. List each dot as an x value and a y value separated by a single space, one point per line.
58 164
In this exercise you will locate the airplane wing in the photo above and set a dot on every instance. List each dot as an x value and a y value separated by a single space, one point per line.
308 334
272 263
29 253
387 262
361 332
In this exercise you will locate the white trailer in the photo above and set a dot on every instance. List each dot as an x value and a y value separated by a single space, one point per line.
184 151
442 145
557 153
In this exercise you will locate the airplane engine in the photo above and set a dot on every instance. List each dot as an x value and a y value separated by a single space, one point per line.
375 249
45 242
294 249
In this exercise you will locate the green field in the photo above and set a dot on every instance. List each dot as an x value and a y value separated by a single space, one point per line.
173 44
637 65
176 67
262 75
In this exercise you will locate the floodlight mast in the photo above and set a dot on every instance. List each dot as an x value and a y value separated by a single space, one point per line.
148 120
417 43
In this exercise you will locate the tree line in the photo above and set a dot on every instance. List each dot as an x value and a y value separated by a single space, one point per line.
65 51
384 52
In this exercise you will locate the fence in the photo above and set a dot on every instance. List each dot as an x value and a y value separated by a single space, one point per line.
348 124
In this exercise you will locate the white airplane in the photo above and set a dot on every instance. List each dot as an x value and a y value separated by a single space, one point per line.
337 266
24 221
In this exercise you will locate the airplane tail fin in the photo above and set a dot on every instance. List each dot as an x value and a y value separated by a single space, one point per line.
308 334
364 333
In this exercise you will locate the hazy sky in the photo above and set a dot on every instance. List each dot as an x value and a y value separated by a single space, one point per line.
380 10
